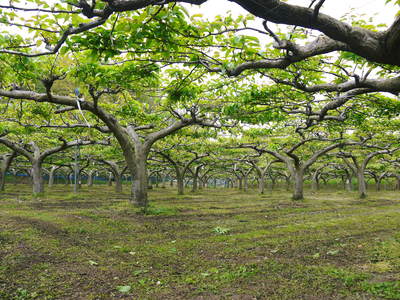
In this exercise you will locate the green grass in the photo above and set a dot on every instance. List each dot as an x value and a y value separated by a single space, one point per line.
216 244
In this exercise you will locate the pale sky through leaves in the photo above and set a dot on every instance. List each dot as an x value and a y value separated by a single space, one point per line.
376 9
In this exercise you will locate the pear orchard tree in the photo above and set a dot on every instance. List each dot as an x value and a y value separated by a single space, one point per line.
240 160
59 21
352 58
111 159
151 67
124 100
297 151
163 34
182 155
384 142
36 148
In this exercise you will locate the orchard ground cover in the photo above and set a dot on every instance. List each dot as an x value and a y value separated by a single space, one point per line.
215 244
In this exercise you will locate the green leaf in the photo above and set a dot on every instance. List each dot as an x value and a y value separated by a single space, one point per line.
138 272
93 263
316 255
332 252
124 288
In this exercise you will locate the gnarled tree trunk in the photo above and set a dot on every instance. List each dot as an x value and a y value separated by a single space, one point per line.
315 181
5 164
139 181
245 183
261 184
180 183
51 175
362 186
37 177
298 180
90 178
118 182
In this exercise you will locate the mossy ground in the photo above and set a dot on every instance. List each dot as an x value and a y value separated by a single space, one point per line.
215 244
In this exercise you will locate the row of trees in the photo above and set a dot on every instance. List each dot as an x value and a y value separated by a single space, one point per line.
197 155
138 74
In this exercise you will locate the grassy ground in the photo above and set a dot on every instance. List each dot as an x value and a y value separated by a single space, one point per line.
217 244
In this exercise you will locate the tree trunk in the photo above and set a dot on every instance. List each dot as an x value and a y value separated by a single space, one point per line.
201 184
2 179
398 183
298 184
246 183
180 182
70 179
240 183
163 180
51 175
118 183
287 179
139 180
349 183
15 176
195 183
90 179
261 184
76 182
362 187
51 178
379 184
109 182
273 183
5 165
65 176
37 178
157 180
315 183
